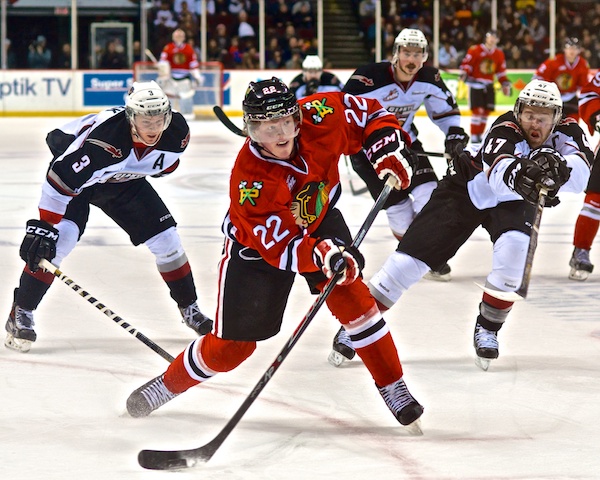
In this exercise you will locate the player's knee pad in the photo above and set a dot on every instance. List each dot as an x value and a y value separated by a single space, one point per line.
68 236
166 246
400 216
399 272
510 252
222 355
421 195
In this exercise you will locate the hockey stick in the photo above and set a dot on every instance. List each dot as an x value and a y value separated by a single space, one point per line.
225 120
178 459
521 293
46 265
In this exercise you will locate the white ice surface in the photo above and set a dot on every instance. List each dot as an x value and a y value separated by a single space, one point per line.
534 415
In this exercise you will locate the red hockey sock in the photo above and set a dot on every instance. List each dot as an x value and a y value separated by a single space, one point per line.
176 378
381 359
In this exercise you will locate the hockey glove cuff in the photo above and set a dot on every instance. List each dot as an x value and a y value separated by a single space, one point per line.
526 178
389 155
39 242
332 258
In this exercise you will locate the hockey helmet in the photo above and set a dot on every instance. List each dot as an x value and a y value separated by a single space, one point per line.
540 93
572 42
410 37
269 100
312 62
147 99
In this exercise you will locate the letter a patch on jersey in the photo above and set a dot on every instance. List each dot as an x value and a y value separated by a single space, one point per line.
249 194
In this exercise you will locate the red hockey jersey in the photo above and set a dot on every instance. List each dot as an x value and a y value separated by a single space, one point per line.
482 64
276 204
589 102
568 77
182 59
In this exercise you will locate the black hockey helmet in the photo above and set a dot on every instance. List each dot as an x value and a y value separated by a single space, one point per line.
572 42
268 100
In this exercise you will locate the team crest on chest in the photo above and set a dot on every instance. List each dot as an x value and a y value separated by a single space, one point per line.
321 110
309 202
249 194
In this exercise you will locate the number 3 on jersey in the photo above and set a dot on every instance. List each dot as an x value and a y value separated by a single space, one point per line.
270 233
81 164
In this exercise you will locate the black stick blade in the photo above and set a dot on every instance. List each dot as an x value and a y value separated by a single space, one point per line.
175 459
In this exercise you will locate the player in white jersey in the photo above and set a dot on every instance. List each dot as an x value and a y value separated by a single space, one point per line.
102 160
402 87
314 79
498 187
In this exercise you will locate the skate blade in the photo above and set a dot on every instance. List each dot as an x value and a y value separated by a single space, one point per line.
483 363
336 358
414 429
436 277
17 344
578 275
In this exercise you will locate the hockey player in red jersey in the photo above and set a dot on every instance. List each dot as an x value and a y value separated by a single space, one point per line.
570 71
179 72
282 220
588 221
102 159
483 64
495 185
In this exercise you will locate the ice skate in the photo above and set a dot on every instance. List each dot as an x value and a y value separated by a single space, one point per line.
342 348
403 405
486 346
150 396
19 329
441 275
196 320
580 264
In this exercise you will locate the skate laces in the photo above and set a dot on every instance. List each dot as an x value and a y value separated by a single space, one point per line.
192 315
581 256
396 396
23 319
157 394
485 338
344 338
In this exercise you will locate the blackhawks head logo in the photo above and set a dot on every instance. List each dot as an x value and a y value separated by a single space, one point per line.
309 203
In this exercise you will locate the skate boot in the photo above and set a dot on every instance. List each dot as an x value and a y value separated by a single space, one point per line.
486 346
150 396
19 329
441 275
196 320
403 405
580 264
342 348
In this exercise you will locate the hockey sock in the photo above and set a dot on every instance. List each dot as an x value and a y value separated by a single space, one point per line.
588 221
381 359
478 121
181 285
32 288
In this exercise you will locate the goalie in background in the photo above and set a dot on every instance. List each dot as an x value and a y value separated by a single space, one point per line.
103 160
496 185
179 73
313 79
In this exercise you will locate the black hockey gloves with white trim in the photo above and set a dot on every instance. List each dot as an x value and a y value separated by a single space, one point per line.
554 166
389 155
333 257
456 141
464 166
526 178
39 242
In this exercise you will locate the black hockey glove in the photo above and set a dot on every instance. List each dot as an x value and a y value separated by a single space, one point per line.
456 141
39 242
596 121
387 152
312 86
464 166
526 178
554 166
332 257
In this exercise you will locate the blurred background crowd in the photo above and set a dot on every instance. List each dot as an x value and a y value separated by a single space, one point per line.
232 27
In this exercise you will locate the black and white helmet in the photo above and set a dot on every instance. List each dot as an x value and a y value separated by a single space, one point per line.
540 93
268 100
410 37
147 99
